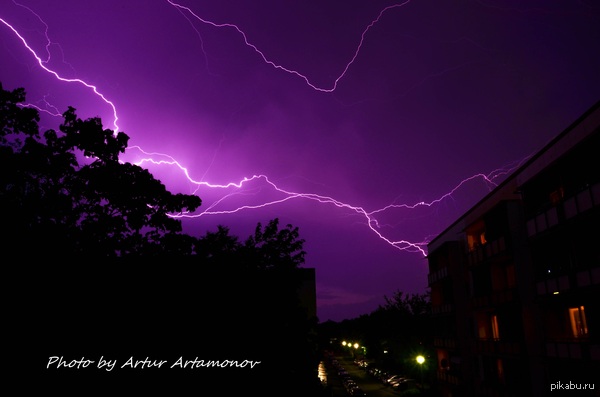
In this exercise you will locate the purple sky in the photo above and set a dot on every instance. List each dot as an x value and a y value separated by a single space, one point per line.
353 112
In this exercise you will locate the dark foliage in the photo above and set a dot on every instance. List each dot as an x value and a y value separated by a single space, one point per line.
100 266
268 248
67 194
393 334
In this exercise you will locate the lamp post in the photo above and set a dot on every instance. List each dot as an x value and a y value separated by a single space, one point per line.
420 360
353 348
350 346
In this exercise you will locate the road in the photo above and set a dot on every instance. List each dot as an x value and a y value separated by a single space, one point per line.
372 387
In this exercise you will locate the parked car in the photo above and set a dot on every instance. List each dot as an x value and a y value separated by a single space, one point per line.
390 380
406 384
383 376
357 392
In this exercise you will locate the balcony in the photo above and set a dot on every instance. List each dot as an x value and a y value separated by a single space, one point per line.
478 302
504 296
437 275
445 377
574 349
445 308
445 343
572 206
482 252
497 347
580 279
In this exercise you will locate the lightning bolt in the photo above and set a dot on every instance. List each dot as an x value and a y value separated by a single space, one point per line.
247 185
280 67
43 63
286 195
49 42
53 113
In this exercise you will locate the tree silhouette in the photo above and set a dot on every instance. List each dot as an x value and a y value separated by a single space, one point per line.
112 266
406 319
270 247
393 334
407 305
67 194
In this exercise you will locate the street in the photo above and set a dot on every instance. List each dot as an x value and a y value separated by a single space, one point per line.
372 386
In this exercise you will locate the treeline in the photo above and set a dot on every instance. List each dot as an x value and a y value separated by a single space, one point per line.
66 193
99 267
393 335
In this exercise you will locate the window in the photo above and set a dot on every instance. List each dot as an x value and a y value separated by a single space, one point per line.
482 325
503 277
500 370
482 239
476 235
495 329
557 196
578 321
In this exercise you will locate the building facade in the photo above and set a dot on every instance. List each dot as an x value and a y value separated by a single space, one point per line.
515 282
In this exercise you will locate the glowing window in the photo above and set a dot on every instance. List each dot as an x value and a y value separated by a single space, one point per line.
482 239
472 243
476 235
500 370
578 321
495 329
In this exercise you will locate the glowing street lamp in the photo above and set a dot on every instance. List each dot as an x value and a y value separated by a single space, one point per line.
420 360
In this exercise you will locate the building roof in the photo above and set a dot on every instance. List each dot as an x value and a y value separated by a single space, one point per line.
584 126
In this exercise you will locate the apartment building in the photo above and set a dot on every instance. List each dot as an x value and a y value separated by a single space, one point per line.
515 281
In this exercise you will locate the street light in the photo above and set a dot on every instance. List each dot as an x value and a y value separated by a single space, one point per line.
350 346
420 360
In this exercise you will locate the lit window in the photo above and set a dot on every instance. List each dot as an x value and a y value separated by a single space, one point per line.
557 196
476 235
500 370
578 321
472 242
495 329
476 240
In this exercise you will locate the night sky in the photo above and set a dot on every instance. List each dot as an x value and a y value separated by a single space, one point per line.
370 125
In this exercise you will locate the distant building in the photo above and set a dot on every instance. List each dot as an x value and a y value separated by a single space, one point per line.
515 281
307 291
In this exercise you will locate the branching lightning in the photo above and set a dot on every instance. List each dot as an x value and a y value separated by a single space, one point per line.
43 63
287 195
53 112
370 217
280 67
